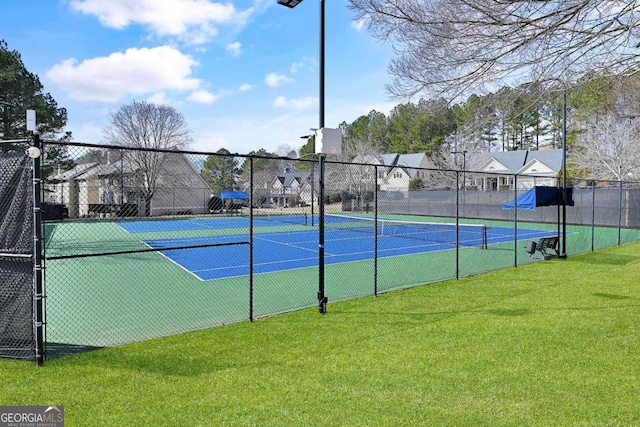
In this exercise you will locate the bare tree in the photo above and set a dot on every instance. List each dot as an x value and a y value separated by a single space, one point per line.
148 129
286 152
357 179
609 149
449 47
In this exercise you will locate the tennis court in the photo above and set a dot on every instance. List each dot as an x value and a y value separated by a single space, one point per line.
223 253
135 279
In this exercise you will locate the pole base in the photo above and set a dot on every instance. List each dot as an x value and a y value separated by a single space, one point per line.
322 304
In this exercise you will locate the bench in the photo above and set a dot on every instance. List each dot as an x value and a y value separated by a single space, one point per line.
547 246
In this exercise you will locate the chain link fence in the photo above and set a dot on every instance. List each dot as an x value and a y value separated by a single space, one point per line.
16 255
147 243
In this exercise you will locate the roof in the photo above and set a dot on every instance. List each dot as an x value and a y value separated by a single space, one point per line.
74 172
286 179
367 158
410 160
551 158
389 159
101 170
513 161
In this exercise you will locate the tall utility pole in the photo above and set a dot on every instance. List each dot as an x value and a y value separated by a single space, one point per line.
322 299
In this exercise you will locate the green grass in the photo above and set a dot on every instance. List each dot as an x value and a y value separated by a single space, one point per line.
554 343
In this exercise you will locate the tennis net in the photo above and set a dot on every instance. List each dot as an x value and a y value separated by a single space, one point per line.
262 218
472 235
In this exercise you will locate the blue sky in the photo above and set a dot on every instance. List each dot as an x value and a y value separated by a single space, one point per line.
244 73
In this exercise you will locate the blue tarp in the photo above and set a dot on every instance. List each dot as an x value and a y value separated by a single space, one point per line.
224 195
541 196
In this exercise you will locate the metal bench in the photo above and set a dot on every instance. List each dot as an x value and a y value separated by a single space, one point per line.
547 246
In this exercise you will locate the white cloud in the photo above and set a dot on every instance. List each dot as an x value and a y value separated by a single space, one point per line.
122 74
360 23
209 140
295 67
245 87
192 20
203 97
275 79
158 98
307 63
297 104
243 133
234 48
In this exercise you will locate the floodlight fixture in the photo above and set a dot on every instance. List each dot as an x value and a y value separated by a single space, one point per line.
289 3
33 152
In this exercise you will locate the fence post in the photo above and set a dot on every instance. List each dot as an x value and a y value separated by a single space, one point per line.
313 187
515 220
322 299
457 225
564 174
619 212
375 240
593 214
121 176
251 303
38 299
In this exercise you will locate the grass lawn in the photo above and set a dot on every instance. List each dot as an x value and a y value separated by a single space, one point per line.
554 343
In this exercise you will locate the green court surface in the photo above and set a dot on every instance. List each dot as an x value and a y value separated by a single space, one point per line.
99 301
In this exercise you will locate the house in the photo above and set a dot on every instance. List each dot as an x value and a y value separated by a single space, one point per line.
538 167
115 188
396 171
406 168
291 189
63 188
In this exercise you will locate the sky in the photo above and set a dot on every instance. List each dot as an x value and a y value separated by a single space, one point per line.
244 73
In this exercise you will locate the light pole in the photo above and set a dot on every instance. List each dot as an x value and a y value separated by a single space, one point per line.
322 299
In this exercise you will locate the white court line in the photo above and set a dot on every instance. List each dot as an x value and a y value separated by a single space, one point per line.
291 245
262 263
200 225
159 251
332 255
260 236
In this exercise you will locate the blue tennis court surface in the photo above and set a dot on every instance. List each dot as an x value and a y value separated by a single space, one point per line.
295 248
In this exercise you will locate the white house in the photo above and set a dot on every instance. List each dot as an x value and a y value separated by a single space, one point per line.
406 168
397 170
292 189
538 167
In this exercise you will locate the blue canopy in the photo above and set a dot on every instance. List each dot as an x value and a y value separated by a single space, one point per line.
233 195
541 196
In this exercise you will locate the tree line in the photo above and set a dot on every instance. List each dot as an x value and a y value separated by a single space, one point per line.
603 138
